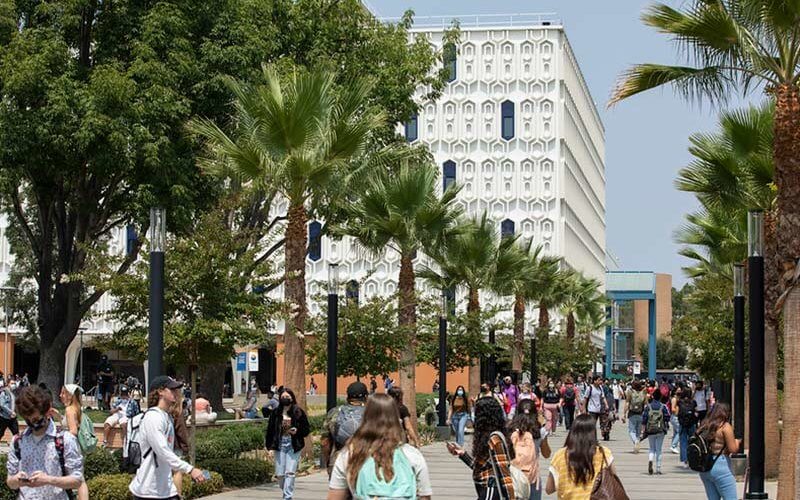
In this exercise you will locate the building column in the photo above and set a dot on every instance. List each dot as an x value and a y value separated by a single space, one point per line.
651 339
71 360
609 341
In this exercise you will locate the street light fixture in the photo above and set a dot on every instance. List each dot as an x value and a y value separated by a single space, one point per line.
443 429
6 313
333 333
158 239
738 458
755 264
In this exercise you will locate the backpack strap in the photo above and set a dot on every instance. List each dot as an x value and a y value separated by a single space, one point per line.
59 443
15 444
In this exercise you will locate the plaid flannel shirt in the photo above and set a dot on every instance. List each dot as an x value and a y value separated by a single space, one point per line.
497 466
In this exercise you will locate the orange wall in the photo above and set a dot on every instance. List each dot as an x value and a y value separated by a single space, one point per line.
426 375
11 343
663 312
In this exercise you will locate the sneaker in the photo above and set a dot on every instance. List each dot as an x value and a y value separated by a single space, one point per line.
675 451
658 473
636 447
650 468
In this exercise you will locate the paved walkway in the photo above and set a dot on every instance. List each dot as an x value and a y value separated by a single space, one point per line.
451 479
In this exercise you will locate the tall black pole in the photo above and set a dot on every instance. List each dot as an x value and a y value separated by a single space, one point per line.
738 352
491 372
755 264
155 348
534 371
443 363
333 334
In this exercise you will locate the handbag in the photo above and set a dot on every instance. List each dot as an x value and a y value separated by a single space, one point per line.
522 487
607 485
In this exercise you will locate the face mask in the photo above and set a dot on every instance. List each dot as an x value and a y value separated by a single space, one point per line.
35 426
459 392
286 401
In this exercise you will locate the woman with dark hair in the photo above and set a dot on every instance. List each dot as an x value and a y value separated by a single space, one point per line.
526 437
718 432
405 417
459 413
492 452
574 467
376 462
286 433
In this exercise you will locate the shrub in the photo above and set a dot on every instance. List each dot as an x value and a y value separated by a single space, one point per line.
217 446
229 441
316 422
99 462
251 437
6 493
241 472
424 403
204 489
110 487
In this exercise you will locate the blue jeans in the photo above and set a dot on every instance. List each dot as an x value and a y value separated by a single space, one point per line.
634 427
719 481
459 423
686 433
286 461
536 494
656 442
676 431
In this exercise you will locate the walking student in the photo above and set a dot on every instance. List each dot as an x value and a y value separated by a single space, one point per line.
156 439
405 417
43 463
460 412
492 452
552 404
596 404
673 420
286 434
8 417
575 467
687 419
341 423
701 398
719 482
655 421
569 399
525 436
376 462
635 400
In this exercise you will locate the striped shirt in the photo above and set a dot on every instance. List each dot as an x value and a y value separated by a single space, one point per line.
496 466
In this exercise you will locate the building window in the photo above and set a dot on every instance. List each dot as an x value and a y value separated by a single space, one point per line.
351 291
412 128
448 174
315 241
449 59
507 119
507 228
131 239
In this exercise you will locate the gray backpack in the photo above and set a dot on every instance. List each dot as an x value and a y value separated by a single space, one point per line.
348 420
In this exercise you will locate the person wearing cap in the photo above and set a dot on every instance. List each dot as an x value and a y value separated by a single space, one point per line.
105 382
122 408
157 437
341 422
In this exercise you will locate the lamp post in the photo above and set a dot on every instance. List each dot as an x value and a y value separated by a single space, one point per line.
80 373
155 349
738 458
755 264
443 430
333 333
6 312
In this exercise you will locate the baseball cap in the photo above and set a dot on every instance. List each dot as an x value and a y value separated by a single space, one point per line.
123 389
357 390
162 381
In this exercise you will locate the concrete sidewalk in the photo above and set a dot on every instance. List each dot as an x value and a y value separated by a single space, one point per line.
452 480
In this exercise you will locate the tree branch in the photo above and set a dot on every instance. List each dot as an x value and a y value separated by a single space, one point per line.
19 212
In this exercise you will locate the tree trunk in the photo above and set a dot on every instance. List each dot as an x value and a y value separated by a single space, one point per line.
212 379
544 318
772 325
786 156
294 375
407 319
51 367
791 419
571 326
519 334
474 311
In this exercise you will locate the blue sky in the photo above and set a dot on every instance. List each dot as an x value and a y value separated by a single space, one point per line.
646 137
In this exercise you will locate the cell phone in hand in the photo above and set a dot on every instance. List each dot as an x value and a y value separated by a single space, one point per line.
24 480
207 475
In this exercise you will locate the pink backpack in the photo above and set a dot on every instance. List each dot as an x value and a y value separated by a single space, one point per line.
526 458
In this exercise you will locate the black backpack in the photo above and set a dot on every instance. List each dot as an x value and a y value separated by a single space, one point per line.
686 416
569 395
699 455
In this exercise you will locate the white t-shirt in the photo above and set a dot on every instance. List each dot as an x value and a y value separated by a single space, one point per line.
700 399
594 394
414 456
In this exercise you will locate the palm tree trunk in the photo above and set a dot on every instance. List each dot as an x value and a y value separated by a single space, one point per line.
571 326
294 374
407 319
519 333
474 311
544 317
791 420
772 325
786 156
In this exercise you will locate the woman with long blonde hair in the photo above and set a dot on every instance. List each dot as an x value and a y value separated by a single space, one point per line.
376 462
70 395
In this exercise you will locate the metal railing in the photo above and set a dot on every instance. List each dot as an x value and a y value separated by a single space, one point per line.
482 20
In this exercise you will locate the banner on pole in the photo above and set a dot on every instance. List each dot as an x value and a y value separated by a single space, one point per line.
637 368
252 361
241 361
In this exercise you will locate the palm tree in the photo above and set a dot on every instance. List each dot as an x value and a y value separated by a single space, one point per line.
402 212
732 171
474 258
581 297
297 137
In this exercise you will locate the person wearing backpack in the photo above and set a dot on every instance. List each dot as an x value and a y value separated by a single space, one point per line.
708 453
635 401
687 418
341 423
569 400
655 423
30 466
493 474
77 423
286 433
155 439
526 436
376 462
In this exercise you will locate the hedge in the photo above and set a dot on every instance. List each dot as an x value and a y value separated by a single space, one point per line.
241 472
229 441
115 487
6 493
316 422
100 462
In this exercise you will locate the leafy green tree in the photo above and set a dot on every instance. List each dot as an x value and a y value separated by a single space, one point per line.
582 300
669 353
559 356
401 211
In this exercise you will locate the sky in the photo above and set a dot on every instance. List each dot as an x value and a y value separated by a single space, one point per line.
647 136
